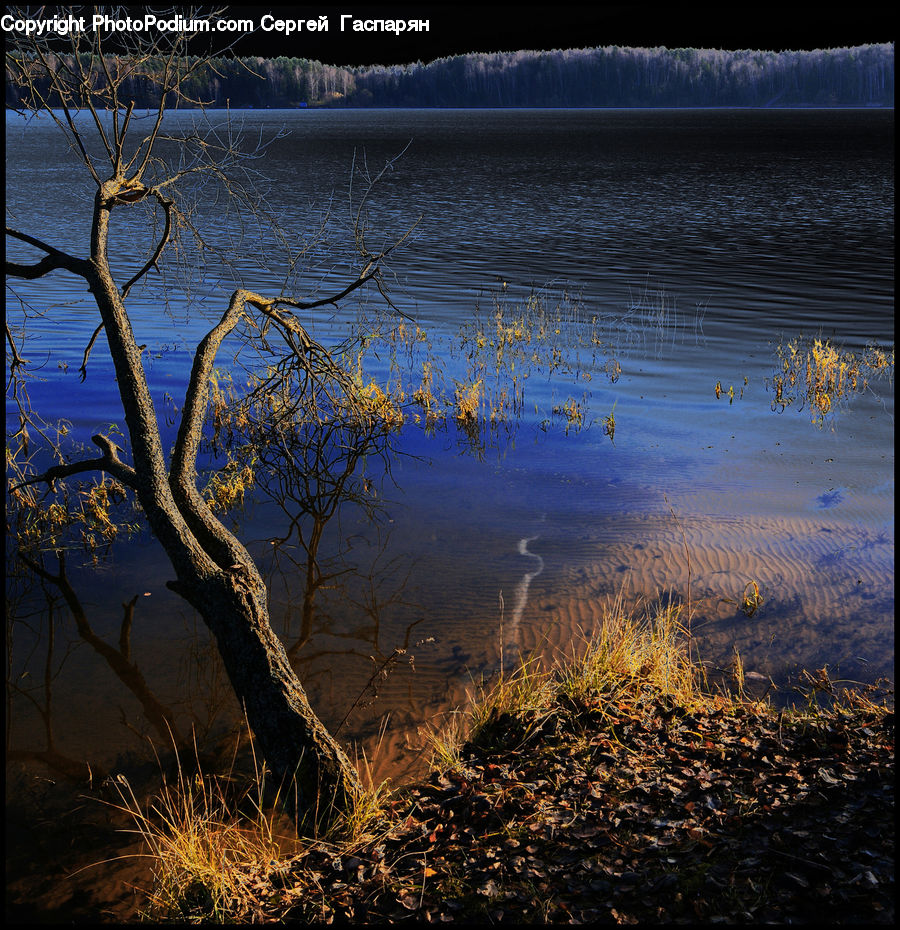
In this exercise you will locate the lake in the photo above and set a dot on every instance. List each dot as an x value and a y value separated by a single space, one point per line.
679 253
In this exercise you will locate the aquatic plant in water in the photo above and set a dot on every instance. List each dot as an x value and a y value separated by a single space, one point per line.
824 376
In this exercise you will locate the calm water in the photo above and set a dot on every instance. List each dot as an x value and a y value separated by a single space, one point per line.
697 240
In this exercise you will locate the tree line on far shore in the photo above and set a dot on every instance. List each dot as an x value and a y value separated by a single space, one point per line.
609 76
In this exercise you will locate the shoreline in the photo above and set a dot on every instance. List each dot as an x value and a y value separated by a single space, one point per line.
614 788
620 806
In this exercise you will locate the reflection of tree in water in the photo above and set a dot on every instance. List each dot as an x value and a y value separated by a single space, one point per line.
321 477
117 657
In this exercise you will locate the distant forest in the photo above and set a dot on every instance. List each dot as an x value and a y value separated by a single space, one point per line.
588 77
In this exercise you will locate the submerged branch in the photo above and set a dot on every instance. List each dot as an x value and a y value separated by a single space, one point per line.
16 359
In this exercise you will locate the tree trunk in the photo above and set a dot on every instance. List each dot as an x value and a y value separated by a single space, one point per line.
300 752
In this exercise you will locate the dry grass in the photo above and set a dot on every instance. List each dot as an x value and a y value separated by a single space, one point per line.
204 854
627 653
628 649
490 362
574 413
468 399
525 691
376 405
226 487
213 849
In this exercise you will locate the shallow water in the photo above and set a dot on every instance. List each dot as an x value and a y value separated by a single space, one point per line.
696 240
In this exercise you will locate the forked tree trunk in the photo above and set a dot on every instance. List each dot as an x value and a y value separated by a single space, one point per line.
214 572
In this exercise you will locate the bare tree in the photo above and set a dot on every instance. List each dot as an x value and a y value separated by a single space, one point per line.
147 179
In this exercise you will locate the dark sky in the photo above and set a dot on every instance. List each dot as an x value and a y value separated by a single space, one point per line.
458 28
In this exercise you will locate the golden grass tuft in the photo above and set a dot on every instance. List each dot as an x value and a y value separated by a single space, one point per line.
214 852
377 405
573 412
629 653
225 489
525 693
633 650
468 400
204 854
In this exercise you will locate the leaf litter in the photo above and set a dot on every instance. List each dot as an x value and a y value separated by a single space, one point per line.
630 812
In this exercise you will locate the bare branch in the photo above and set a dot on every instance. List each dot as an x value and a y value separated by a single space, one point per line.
85 82
30 272
224 548
55 258
359 225
311 358
87 351
151 138
168 206
110 462
17 359
65 99
120 137
187 443
367 274
295 336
